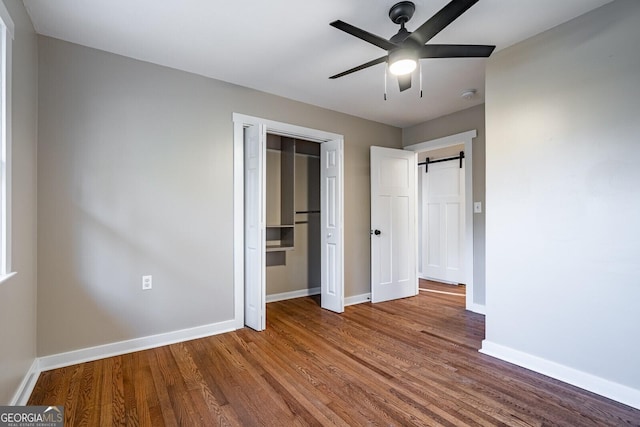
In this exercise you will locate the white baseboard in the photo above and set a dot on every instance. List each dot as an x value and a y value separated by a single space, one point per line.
477 308
431 279
609 389
357 299
293 294
23 393
122 347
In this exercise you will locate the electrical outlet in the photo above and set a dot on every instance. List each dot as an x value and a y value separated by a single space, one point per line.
147 283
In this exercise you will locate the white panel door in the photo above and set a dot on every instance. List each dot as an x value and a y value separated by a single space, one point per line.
254 251
443 222
331 217
393 224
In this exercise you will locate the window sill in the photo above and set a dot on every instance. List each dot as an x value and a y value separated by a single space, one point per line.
5 277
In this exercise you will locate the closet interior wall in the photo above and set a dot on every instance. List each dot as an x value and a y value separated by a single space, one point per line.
293 215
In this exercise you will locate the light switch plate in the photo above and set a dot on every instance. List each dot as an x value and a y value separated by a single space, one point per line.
147 283
477 207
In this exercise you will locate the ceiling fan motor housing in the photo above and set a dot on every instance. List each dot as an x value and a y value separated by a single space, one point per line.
401 13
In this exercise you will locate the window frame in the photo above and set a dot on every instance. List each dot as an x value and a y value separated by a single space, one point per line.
6 38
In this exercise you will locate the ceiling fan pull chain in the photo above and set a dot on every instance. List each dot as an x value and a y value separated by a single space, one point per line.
385 82
420 62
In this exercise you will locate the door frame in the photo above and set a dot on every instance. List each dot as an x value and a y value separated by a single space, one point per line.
240 121
465 138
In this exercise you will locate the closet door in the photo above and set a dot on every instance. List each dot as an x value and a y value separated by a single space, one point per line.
331 218
254 251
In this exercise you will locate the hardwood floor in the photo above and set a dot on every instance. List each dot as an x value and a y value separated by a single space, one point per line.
437 287
407 362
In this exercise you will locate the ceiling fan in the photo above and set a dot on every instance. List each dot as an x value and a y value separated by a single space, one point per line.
406 48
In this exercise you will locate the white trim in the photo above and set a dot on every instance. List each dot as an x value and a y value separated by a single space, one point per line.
357 299
6 19
285 129
5 277
293 294
447 141
465 138
278 128
586 381
477 308
137 344
6 65
431 279
27 385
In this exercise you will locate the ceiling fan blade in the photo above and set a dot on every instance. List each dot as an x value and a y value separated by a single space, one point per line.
404 82
361 67
364 35
440 20
455 51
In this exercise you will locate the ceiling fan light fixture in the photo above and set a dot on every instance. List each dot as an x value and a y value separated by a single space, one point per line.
402 67
402 62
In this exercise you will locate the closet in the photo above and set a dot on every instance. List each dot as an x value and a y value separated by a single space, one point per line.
292 181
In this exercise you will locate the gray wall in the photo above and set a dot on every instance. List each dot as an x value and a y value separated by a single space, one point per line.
18 294
563 195
451 124
135 177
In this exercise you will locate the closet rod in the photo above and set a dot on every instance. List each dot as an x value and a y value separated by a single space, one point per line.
307 212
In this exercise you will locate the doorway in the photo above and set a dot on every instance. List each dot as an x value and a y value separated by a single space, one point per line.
250 216
293 249
466 139
441 215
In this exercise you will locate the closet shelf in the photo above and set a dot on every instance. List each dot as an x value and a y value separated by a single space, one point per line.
278 248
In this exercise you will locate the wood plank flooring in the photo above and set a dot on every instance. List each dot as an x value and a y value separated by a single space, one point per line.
407 362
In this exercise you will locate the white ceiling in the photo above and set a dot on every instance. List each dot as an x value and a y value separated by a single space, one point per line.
286 47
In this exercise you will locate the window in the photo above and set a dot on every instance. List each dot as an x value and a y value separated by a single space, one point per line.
6 36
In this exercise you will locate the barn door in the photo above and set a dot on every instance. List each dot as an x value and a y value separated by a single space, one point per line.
443 222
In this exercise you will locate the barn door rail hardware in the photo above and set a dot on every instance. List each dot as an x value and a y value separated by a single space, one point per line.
427 162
